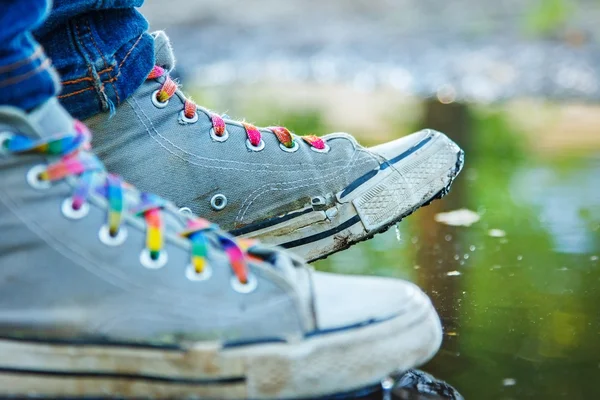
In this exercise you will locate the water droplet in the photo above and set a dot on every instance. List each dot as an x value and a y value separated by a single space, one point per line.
448 238
466 256
456 257
519 258
398 236
414 240
594 258
387 383
472 247
417 267
453 273
509 382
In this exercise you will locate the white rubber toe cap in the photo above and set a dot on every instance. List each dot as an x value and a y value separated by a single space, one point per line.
345 300
396 147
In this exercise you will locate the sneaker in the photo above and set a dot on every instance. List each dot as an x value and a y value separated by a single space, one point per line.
105 290
312 195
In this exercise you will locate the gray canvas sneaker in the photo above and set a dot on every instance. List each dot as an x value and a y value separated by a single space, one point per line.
312 195
109 292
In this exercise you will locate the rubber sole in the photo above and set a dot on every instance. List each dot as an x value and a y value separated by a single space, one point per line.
373 207
331 365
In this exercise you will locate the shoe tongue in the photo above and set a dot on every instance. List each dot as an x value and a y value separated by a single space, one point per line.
45 121
51 119
163 51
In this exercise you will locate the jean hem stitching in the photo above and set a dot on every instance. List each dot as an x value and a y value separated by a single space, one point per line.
34 56
44 66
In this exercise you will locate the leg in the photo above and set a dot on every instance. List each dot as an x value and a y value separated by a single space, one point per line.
101 50
26 76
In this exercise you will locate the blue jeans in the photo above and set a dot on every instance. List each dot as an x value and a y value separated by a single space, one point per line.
100 48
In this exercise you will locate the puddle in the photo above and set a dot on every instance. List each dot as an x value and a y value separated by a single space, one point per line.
518 286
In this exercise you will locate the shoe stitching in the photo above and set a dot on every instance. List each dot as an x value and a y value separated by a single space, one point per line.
259 166
294 186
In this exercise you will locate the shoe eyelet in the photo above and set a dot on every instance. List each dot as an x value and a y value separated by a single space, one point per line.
292 149
244 288
71 213
112 241
218 138
192 275
218 202
147 261
157 103
33 178
325 150
4 138
186 212
259 147
185 120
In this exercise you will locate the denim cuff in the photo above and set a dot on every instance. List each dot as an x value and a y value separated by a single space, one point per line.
102 58
27 79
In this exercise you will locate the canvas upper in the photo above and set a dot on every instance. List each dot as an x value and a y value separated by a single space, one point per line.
157 149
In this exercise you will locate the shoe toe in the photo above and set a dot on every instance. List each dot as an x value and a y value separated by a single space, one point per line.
427 160
345 300
393 149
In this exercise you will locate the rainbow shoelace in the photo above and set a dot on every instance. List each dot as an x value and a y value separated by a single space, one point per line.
76 160
190 110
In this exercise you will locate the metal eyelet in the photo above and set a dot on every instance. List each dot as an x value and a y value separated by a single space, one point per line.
218 202
218 138
186 212
325 150
244 288
107 239
71 213
292 149
147 261
4 138
33 178
259 147
157 103
185 120
192 275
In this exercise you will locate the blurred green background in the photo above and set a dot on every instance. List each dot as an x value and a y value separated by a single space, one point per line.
515 84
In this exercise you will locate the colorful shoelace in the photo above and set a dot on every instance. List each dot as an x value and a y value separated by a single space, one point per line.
77 161
190 110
